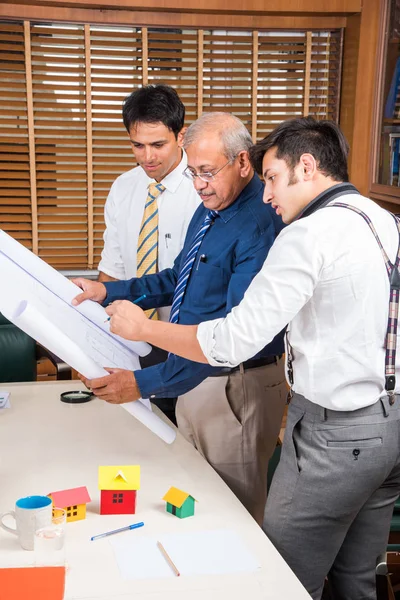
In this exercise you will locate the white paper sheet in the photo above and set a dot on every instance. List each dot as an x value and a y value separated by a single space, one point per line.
4 399
211 552
37 299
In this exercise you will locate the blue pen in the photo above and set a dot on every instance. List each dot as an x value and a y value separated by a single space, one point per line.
134 302
134 526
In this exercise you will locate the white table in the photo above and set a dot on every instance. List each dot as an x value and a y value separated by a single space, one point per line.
46 445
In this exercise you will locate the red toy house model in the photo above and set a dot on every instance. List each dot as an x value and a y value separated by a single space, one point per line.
118 486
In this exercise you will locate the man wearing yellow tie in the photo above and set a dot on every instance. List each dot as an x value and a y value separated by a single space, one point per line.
149 208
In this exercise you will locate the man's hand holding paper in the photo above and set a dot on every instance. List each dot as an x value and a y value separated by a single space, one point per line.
92 290
117 388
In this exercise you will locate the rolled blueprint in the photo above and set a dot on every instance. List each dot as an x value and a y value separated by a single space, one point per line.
150 420
65 289
35 324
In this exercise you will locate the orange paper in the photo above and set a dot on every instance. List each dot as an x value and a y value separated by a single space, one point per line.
35 583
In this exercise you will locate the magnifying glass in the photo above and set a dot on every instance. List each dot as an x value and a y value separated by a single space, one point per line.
76 397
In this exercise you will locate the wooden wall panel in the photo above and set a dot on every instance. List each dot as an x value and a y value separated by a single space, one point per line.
349 78
361 108
142 18
218 6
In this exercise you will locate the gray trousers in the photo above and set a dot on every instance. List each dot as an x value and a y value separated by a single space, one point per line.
234 422
331 500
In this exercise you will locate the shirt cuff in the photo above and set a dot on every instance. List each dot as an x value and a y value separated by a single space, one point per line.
148 380
207 333
111 271
116 290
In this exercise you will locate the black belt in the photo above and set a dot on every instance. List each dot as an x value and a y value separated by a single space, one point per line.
249 364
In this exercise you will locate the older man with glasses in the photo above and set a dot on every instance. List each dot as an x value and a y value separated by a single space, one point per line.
232 416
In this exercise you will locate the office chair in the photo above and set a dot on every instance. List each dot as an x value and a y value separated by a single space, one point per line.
19 354
388 576
388 564
394 536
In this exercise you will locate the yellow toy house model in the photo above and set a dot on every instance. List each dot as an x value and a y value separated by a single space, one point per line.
73 501
179 503
118 487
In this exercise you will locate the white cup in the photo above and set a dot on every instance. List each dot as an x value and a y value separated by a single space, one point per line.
30 514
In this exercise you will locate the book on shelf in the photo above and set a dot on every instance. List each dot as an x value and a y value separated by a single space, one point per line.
394 165
394 148
392 106
390 158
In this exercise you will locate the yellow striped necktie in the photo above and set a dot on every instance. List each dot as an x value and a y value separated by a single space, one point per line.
147 251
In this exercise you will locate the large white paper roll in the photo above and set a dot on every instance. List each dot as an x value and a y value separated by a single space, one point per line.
30 320
150 420
65 289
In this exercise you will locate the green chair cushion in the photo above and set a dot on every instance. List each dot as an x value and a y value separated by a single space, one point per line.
393 548
395 523
17 354
3 320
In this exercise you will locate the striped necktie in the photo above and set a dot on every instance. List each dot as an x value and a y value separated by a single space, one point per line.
188 265
147 250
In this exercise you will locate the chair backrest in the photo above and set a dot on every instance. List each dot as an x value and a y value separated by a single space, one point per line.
17 353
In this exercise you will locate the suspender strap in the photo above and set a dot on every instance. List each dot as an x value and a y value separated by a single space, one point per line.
394 279
336 191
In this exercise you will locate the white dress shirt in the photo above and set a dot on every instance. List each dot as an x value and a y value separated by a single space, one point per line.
326 277
123 213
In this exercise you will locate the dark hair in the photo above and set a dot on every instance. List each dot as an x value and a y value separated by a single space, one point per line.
154 104
292 138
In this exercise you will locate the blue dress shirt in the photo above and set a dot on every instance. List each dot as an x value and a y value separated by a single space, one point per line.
231 254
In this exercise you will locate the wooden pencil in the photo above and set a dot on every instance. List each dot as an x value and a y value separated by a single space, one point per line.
168 558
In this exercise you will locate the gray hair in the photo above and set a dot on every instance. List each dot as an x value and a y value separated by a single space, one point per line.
233 134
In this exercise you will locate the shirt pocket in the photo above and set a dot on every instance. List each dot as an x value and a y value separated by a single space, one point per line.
208 286
168 250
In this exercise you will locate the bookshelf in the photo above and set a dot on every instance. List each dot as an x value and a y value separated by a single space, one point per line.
385 179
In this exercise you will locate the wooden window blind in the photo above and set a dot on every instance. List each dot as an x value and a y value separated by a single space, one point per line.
15 192
115 69
62 141
173 59
59 112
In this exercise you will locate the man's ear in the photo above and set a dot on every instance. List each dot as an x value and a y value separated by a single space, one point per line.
308 166
181 135
244 163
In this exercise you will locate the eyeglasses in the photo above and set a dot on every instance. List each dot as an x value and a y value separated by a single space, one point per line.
206 177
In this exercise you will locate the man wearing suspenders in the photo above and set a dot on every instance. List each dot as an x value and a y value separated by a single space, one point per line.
333 275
